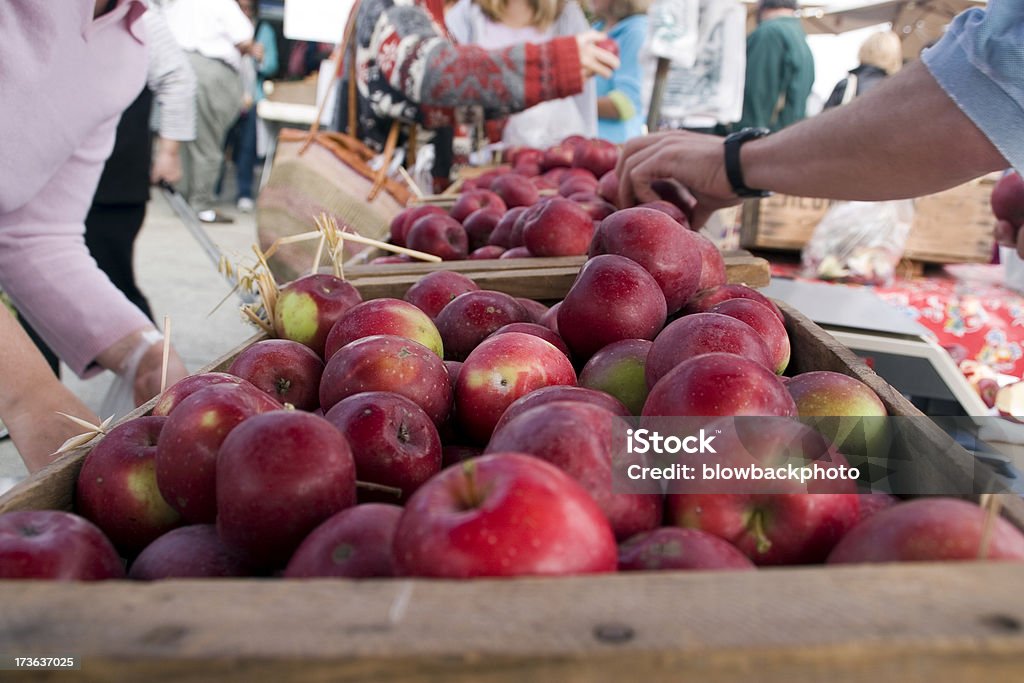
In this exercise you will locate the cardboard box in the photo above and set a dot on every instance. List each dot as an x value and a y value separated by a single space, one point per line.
954 226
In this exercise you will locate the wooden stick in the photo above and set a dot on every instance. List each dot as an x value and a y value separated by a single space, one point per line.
382 172
434 199
413 187
453 189
386 246
167 353
992 503
319 254
369 486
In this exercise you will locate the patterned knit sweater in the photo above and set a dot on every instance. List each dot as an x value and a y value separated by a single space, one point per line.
407 68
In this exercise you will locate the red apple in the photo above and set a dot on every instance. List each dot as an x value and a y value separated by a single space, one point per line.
479 226
550 319
486 253
872 503
928 530
664 248
472 317
705 299
384 316
718 384
618 370
770 529
307 308
586 442
116 488
500 370
712 268
439 235
186 451
842 408
516 237
394 443
608 187
184 388
434 291
1008 199
474 200
516 252
50 544
190 552
609 45
385 362
670 548
561 393
404 219
765 323
613 298
597 156
503 515
669 209
454 368
560 228
537 330
515 190
596 207
693 335
557 156
279 475
577 184
535 308
354 543
286 370
502 234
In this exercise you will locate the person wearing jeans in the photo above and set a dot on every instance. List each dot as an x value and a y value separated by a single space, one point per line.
215 34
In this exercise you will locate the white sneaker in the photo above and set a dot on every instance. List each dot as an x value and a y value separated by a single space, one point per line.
246 205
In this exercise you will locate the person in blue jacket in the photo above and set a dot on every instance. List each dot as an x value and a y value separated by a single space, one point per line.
619 107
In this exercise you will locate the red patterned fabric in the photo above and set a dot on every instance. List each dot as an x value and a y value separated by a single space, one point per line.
966 309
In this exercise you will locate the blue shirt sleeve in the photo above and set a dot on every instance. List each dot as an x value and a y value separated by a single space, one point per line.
980 65
630 35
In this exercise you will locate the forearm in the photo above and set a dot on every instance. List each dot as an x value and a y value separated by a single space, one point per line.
883 145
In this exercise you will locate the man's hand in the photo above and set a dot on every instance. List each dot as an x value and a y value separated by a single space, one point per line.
257 51
593 59
694 161
166 162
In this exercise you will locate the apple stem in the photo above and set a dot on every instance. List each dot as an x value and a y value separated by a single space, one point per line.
764 543
473 496
369 486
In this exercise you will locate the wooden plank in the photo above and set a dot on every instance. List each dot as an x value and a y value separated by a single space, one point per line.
521 277
934 623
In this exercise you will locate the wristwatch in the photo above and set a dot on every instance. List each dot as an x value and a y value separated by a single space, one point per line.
733 170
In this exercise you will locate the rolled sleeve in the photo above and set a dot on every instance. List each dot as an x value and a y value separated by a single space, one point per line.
979 63
170 76
48 272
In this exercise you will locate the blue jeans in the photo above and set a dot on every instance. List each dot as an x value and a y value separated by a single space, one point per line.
245 153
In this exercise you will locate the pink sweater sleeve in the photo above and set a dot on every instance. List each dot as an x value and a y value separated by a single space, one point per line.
47 270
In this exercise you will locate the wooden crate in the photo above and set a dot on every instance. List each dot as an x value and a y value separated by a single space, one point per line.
533 278
913 622
954 226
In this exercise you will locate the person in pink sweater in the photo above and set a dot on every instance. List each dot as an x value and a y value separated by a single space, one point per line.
67 70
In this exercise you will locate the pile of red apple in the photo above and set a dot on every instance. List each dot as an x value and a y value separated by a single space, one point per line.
467 433
543 203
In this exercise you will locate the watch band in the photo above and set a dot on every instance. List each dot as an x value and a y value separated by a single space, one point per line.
733 169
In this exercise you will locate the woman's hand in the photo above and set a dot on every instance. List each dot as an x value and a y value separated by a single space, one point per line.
593 59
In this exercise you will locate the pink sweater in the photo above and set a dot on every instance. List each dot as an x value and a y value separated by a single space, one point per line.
65 80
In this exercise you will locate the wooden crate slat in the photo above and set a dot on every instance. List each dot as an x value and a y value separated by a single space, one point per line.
912 622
